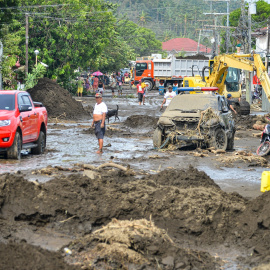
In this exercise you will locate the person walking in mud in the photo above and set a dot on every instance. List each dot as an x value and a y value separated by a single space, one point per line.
143 85
119 84
95 83
168 96
140 92
87 85
101 87
230 103
99 115
113 84
80 87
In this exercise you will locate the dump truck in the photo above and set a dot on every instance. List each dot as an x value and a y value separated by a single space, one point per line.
166 71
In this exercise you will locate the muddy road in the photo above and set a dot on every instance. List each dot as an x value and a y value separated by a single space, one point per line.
160 209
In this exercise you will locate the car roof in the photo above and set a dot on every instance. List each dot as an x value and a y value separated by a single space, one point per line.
193 102
11 92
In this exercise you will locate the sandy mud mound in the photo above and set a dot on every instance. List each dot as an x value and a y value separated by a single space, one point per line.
137 244
184 179
27 257
139 121
253 229
57 100
200 208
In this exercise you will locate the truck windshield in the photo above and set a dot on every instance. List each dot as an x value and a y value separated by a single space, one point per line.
140 68
7 102
232 80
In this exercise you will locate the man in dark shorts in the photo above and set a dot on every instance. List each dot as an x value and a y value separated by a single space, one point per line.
140 92
230 103
99 115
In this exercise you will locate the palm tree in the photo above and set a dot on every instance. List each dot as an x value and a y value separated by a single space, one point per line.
144 17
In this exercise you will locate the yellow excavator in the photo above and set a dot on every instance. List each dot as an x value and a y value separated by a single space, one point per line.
224 73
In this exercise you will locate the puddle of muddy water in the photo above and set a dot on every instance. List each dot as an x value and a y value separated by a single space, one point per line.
245 182
68 146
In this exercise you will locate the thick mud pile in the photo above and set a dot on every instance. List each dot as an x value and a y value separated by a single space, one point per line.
245 121
26 257
57 100
141 121
136 244
197 56
187 204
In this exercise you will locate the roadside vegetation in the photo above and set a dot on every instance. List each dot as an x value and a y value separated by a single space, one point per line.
69 35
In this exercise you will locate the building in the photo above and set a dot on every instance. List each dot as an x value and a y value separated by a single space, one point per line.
261 41
186 45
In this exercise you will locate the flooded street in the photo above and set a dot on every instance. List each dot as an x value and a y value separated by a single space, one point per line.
70 142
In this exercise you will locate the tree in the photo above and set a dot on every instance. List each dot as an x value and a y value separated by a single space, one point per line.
140 39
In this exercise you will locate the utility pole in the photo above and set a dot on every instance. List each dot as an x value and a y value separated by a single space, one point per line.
198 48
26 44
215 34
267 47
249 91
227 29
1 55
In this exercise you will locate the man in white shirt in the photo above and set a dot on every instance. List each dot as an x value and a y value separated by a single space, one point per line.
168 97
99 115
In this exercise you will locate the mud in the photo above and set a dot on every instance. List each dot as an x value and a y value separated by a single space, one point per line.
27 257
185 203
76 205
159 218
57 100
141 121
197 56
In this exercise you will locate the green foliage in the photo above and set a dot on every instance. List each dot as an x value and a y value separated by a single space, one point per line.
170 18
142 40
32 78
7 13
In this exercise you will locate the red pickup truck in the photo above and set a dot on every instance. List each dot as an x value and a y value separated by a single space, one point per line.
23 124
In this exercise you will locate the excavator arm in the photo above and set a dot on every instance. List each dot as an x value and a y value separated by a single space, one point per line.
239 61
262 74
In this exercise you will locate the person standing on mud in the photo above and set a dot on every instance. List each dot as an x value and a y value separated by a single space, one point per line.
230 103
101 87
140 92
168 96
95 83
143 85
99 115
80 87
87 84
119 84
113 84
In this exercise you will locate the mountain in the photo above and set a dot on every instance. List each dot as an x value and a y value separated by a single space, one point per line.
174 18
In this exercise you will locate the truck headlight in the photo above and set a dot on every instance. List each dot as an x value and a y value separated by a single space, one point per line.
4 123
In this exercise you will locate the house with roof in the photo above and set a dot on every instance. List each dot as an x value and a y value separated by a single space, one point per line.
187 45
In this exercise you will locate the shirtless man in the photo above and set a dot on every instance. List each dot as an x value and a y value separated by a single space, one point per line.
99 115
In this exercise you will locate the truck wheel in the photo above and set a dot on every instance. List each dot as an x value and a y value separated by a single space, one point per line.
157 137
149 85
219 139
14 152
41 142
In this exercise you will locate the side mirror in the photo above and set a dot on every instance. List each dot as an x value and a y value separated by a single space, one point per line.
25 108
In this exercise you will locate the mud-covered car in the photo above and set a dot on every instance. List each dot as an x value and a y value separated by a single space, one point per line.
202 120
